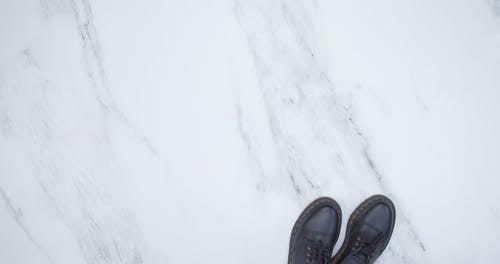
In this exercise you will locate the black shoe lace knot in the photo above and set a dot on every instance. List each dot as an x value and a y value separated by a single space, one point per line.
367 249
316 253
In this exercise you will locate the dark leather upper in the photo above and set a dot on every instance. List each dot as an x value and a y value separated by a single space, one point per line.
315 233
369 231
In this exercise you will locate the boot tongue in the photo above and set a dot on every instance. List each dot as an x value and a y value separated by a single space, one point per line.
369 234
355 259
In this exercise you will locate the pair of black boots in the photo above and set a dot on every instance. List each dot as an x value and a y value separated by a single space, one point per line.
318 227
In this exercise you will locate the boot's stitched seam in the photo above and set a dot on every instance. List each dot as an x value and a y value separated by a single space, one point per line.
352 219
305 214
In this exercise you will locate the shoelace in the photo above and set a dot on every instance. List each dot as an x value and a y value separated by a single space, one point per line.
367 249
316 253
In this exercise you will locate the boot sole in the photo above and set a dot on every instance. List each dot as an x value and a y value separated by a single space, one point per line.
322 201
354 216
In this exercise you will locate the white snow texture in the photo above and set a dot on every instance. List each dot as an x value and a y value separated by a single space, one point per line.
196 131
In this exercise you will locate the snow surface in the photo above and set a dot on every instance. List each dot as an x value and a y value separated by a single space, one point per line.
196 131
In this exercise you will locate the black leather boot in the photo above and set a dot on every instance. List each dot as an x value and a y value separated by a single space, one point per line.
368 231
315 233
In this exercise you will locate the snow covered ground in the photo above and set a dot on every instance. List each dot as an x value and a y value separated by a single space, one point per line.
196 131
